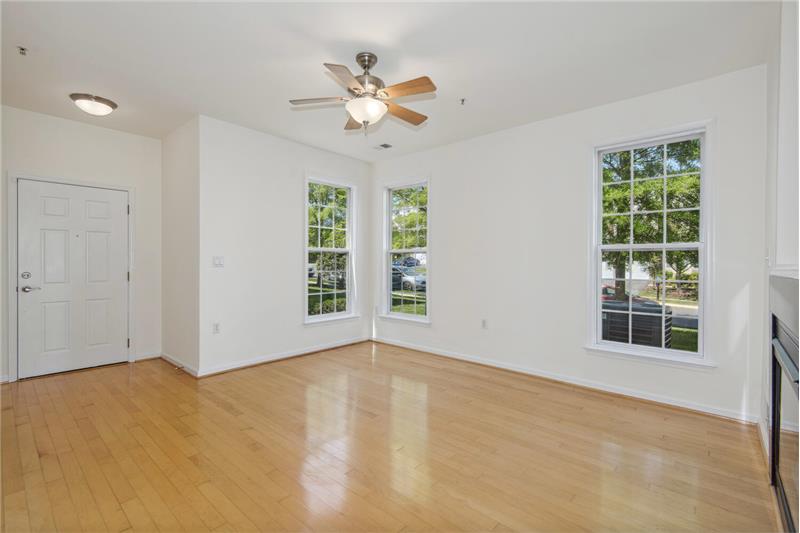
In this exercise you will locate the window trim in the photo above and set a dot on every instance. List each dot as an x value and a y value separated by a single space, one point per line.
386 249
352 289
595 345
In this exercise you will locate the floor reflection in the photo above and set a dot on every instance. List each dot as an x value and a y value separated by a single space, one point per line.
409 436
328 418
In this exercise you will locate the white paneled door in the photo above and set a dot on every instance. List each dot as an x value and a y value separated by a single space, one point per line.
72 277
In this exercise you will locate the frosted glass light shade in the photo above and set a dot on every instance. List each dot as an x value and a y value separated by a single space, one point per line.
94 105
366 109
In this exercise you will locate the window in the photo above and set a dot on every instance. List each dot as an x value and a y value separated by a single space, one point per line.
328 253
650 247
408 251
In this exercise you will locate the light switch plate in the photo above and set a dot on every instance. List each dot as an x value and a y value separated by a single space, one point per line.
218 261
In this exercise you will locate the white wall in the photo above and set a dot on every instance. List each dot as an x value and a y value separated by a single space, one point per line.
786 187
181 244
42 145
252 213
509 239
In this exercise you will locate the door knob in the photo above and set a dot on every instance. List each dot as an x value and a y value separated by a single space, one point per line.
28 288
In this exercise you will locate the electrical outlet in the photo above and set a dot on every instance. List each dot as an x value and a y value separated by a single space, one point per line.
215 328
218 261
484 324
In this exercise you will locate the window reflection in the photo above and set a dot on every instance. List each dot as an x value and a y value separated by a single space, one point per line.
410 474
787 462
327 420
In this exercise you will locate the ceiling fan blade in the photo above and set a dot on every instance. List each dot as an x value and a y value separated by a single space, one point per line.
407 88
352 124
344 75
404 113
303 101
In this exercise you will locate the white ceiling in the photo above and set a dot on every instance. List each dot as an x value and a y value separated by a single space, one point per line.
514 63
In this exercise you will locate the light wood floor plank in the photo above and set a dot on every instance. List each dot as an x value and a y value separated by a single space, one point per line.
15 512
367 437
40 514
65 512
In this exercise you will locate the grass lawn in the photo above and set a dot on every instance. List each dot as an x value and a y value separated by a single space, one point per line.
684 339
403 302
408 308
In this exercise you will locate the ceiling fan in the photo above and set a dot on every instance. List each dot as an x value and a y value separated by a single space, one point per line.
369 98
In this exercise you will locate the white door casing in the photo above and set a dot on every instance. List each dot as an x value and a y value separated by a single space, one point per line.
72 241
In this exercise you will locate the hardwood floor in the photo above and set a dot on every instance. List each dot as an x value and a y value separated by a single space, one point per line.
365 437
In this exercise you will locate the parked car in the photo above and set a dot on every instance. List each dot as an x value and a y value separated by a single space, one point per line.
408 279
408 261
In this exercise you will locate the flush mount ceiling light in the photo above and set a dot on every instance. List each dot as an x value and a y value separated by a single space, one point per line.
369 98
94 105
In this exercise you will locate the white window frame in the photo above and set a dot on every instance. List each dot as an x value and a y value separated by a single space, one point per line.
352 291
386 304
595 344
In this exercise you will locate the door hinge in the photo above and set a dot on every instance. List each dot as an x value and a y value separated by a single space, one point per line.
129 343
129 275
129 209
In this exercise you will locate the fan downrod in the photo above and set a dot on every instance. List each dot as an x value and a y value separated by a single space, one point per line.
366 60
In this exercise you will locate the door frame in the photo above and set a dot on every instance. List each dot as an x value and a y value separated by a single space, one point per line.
12 235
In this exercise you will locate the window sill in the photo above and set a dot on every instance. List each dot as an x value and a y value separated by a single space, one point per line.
332 318
425 321
643 354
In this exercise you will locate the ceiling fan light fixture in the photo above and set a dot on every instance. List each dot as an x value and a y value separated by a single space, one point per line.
370 98
94 105
366 109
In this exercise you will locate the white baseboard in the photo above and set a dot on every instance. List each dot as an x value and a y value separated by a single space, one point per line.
147 355
277 356
789 426
241 364
138 357
726 413
175 361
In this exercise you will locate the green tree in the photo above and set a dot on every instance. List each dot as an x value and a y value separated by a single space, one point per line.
409 217
643 206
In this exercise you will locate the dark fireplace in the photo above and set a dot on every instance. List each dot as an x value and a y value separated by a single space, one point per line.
784 399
